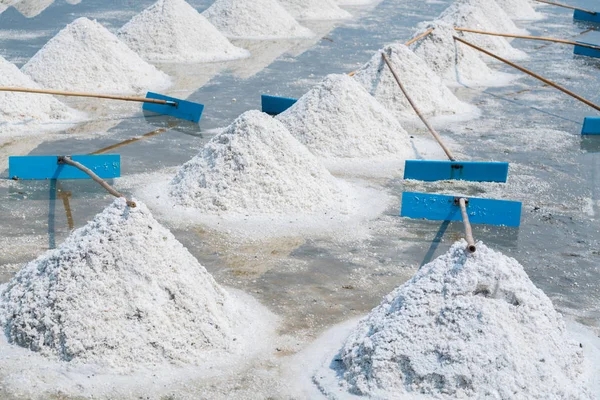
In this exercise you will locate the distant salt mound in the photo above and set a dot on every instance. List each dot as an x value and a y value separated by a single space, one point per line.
338 118
422 84
452 61
173 31
32 8
28 108
119 292
85 56
315 9
519 9
474 15
256 166
464 327
254 19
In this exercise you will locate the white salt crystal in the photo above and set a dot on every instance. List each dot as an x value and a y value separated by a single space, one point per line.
85 56
519 9
173 31
254 19
315 9
339 118
465 326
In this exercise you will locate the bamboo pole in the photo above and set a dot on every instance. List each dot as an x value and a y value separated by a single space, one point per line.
411 41
528 72
133 140
414 106
462 202
566 6
84 94
541 38
67 160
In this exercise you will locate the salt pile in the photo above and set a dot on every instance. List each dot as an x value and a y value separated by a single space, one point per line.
85 56
173 31
422 84
472 14
254 19
338 118
32 8
256 166
519 9
452 61
28 108
119 292
355 2
465 327
315 9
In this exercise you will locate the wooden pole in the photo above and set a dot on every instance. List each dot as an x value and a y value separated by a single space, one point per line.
528 72
67 160
133 140
462 202
566 6
414 106
83 94
546 39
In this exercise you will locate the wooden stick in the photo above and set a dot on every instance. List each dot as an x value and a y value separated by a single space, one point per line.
546 39
413 105
567 6
528 72
411 41
67 160
82 94
133 140
462 202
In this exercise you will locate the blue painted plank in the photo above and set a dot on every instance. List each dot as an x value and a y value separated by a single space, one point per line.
443 208
47 167
185 110
276 105
437 170
585 16
586 51
591 126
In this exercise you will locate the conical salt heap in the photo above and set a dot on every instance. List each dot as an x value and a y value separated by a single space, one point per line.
315 9
519 9
452 61
32 8
85 56
121 292
423 85
472 14
254 19
256 166
173 31
28 108
338 118
465 326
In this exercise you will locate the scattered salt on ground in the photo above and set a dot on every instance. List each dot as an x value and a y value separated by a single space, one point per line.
315 9
422 84
173 31
122 292
519 9
256 166
465 326
254 19
24 108
85 56
338 118
452 61
473 15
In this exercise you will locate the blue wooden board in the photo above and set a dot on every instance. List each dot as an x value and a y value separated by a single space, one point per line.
591 126
47 167
274 105
185 110
443 208
591 38
584 16
437 170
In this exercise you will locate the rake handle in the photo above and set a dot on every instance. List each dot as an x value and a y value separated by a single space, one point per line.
567 6
468 231
414 106
531 73
83 94
69 161
546 39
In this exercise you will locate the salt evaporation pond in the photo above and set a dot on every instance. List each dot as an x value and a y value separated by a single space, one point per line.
313 283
